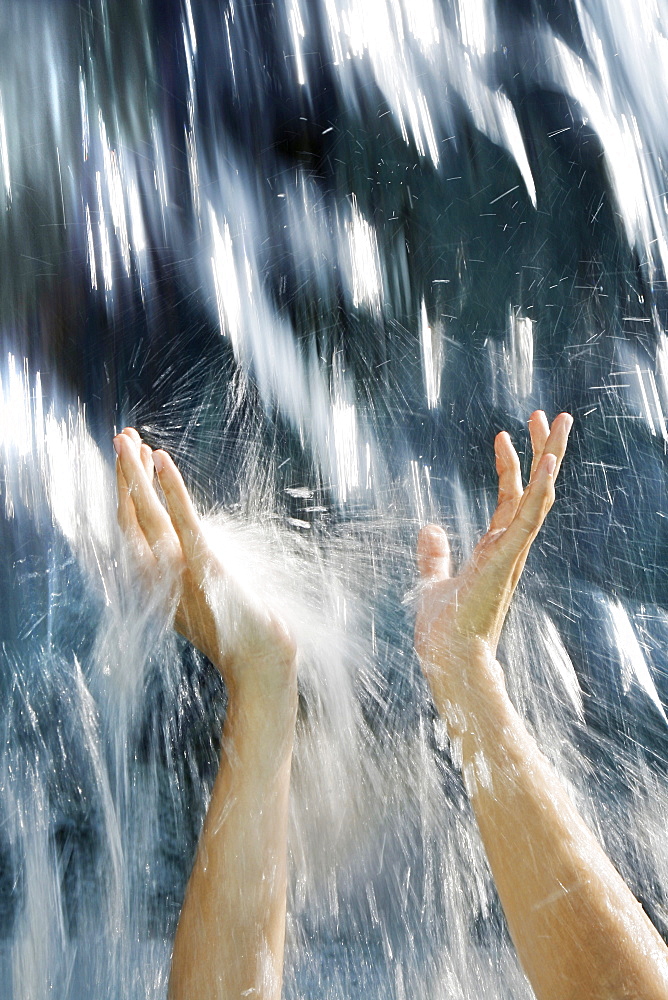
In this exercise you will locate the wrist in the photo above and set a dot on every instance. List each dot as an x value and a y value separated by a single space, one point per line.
466 685
259 731
270 694
266 676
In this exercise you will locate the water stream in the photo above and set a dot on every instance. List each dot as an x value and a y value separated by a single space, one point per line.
322 251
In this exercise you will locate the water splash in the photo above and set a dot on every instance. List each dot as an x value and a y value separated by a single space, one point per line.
323 252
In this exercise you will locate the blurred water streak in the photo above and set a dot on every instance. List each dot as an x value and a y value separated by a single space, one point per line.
322 252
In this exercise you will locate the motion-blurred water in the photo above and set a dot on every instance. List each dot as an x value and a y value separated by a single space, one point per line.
323 250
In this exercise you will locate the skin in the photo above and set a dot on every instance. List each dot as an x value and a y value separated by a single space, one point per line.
230 937
578 930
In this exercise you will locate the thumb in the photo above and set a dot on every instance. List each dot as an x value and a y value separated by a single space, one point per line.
433 553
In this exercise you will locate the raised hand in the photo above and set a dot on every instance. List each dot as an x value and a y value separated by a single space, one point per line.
459 619
247 643
230 937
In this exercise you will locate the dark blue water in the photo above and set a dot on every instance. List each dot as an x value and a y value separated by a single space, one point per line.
323 252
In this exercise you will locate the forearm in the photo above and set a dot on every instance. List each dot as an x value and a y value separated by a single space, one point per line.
577 928
229 941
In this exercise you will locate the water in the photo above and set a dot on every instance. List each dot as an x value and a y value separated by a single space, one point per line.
323 251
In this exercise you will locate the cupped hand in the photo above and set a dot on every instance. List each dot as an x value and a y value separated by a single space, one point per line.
459 619
249 645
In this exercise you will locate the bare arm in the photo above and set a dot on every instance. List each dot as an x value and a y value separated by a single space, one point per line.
578 930
230 936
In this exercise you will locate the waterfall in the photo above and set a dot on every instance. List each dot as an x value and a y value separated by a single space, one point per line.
322 251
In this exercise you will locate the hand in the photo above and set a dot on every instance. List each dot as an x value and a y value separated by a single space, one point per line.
251 647
459 620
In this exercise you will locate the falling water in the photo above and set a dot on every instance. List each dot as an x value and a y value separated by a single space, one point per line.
322 250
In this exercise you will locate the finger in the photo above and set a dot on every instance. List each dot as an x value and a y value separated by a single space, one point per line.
531 513
181 510
554 445
151 515
539 431
433 553
558 439
510 482
125 511
146 456
145 452
127 519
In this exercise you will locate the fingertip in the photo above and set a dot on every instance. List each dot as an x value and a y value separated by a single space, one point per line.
432 533
168 468
546 469
538 424
550 464
131 433
433 551
502 444
171 479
